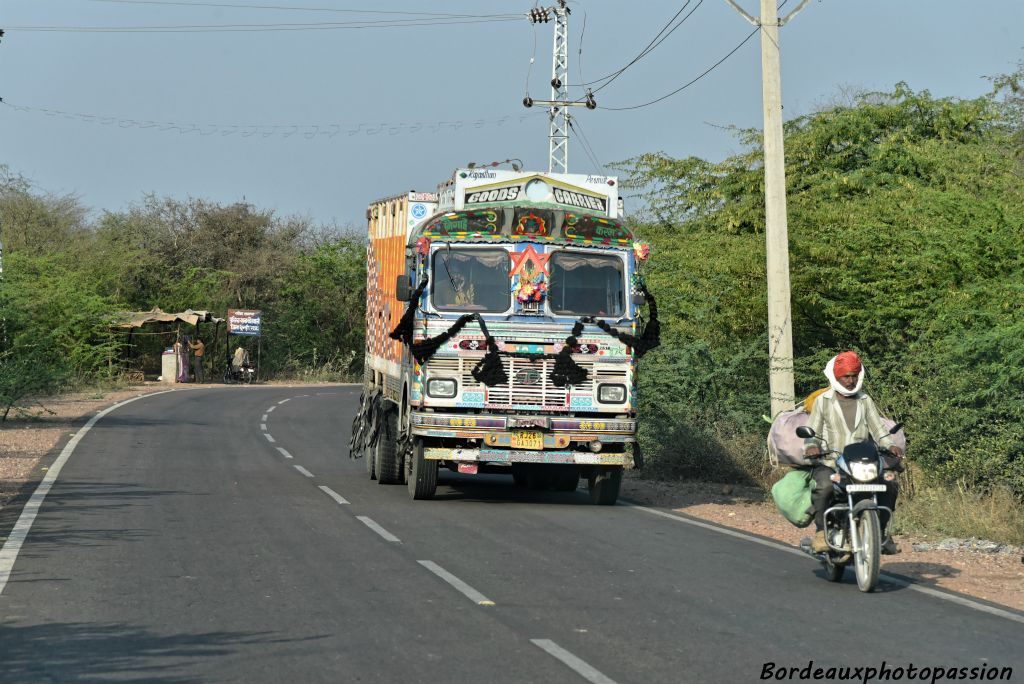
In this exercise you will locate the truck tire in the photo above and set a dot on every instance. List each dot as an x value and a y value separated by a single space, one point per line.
387 462
604 485
421 474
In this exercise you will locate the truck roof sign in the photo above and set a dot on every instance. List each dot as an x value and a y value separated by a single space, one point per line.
470 188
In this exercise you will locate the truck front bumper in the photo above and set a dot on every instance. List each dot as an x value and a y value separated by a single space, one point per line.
472 455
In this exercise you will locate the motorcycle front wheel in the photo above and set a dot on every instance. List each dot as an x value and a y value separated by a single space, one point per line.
867 558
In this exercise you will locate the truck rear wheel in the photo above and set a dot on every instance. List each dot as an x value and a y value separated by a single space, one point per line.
421 474
386 458
604 485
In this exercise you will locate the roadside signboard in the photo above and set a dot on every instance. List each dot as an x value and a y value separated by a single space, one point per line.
245 322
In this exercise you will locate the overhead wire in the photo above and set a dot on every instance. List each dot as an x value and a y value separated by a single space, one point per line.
224 5
229 28
691 82
285 130
588 149
658 39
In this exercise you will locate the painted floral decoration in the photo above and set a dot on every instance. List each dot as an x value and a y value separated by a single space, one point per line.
531 286
641 250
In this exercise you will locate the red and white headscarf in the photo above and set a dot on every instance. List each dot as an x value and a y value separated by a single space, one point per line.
844 364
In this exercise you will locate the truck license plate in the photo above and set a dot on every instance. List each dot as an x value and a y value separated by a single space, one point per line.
526 439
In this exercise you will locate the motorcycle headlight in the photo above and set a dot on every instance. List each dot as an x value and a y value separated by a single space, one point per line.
611 394
864 472
442 388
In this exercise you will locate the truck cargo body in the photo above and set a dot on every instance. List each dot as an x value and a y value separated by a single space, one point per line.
484 373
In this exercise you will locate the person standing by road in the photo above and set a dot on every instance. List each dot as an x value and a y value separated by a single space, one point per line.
198 350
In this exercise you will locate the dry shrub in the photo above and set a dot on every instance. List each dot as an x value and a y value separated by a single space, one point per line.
956 511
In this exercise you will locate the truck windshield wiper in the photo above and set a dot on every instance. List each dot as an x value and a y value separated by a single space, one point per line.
455 288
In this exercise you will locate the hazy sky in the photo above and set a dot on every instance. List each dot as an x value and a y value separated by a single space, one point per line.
320 122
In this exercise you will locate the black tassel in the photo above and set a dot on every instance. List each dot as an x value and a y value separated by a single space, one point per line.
403 331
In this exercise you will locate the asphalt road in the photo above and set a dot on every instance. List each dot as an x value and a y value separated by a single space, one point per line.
223 535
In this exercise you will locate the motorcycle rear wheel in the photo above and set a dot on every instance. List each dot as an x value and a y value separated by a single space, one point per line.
867 559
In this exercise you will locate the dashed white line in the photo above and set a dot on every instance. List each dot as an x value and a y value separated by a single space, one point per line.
303 471
263 426
471 593
952 598
284 400
271 409
269 437
333 494
264 417
377 528
579 666
284 453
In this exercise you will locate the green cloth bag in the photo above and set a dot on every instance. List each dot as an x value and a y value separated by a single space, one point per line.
792 496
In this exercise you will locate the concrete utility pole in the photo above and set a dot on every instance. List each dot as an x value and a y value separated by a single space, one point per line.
776 231
558 105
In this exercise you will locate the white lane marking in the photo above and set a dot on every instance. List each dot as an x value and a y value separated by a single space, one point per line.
333 494
579 666
264 418
378 529
271 409
284 453
468 591
303 471
284 400
898 581
263 426
11 548
269 437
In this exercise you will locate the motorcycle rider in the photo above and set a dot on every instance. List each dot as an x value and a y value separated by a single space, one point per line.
843 415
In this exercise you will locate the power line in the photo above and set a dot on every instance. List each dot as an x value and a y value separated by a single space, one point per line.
587 147
230 28
690 83
651 46
224 5
286 130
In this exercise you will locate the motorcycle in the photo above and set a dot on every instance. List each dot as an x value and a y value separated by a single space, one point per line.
852 527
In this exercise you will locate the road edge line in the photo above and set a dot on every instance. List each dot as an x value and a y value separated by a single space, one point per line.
892 579
19 533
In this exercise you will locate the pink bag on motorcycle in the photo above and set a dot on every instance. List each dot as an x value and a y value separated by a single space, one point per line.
784 447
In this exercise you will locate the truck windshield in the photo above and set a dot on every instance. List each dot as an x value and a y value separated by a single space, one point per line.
471 280
586 284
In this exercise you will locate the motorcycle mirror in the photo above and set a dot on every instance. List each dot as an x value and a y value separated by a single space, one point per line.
805 432
895 428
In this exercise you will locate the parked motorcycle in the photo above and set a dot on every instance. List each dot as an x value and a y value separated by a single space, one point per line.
852 526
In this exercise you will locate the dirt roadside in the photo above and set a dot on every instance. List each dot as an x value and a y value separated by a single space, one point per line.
27 445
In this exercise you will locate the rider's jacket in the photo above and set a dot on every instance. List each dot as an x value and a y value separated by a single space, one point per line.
828 422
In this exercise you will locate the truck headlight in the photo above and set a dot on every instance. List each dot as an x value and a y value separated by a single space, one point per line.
864 472
441 388
611 394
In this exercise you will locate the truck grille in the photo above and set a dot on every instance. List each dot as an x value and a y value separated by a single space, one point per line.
529 382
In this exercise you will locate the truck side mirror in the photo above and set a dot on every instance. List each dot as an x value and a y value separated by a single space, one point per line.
403 288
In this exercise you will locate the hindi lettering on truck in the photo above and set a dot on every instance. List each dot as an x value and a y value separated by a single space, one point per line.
505 318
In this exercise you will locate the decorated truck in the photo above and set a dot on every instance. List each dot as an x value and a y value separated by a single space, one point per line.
504 323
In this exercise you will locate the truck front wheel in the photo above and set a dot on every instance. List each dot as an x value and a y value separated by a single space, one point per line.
387 462
604 484
421 474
